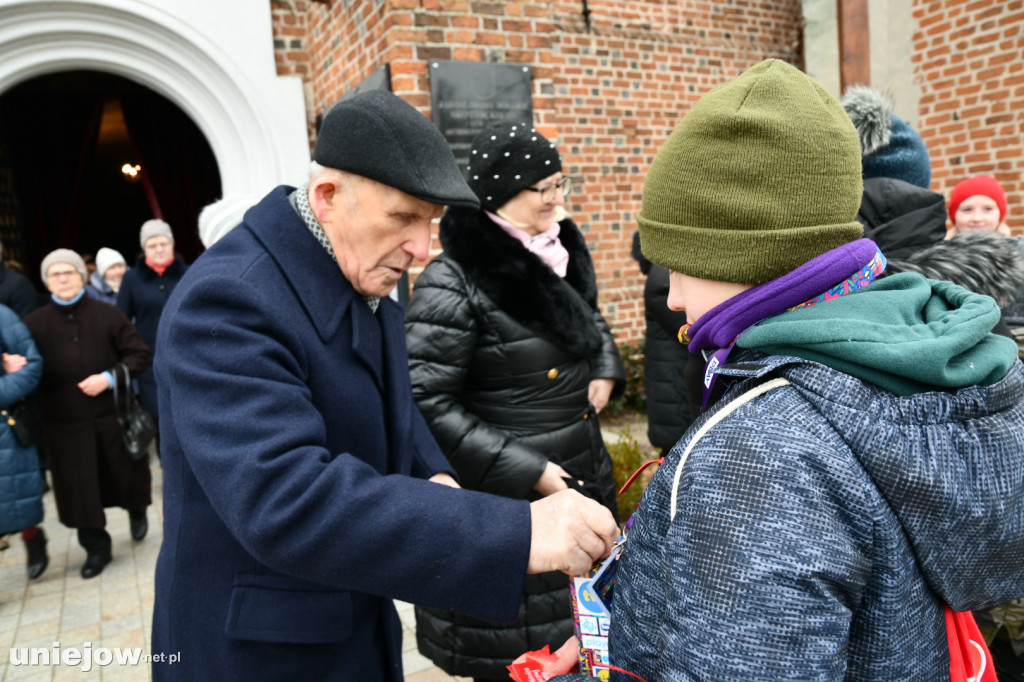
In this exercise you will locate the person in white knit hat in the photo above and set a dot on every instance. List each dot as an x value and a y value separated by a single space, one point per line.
104 284
218 218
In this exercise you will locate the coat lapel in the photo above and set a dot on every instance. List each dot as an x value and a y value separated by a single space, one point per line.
324 293
397 385
368 341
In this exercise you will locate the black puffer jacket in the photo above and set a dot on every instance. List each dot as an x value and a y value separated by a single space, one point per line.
502 352
900 217
665 359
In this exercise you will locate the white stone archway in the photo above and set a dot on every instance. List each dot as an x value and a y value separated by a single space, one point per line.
215 60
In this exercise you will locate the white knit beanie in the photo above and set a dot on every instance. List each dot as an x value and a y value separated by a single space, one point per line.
64 256
218 218
107 257
154 228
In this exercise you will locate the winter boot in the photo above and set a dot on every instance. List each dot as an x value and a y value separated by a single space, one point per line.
38 559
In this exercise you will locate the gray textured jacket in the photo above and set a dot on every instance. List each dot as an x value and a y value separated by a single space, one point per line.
819 529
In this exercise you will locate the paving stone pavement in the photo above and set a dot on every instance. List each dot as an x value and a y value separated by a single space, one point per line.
112 610
115 609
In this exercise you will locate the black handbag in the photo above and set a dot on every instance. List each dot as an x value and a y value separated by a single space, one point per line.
24 421
138 426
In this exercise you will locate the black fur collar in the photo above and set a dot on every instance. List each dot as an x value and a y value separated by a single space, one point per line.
522 285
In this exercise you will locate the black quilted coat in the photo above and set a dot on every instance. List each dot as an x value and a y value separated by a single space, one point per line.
501 352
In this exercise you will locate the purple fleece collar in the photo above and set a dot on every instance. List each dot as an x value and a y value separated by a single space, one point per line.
720 326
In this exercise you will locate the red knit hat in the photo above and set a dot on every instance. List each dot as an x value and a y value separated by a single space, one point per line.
985 185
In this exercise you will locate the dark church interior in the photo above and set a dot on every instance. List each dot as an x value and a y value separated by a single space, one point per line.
87 157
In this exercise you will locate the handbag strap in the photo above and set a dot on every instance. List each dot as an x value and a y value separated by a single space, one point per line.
127 391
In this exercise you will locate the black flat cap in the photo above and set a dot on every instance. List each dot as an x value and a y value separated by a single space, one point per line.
378 135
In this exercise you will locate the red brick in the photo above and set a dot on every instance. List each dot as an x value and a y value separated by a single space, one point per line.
613 110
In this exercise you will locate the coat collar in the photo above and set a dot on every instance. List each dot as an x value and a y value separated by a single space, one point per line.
522 285
317 281
324 293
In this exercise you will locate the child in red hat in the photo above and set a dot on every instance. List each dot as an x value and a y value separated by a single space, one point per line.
978 203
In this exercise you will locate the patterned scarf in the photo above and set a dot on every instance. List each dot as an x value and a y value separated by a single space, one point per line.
300 202
853 266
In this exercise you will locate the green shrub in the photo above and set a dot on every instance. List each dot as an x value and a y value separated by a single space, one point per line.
627 456
632 399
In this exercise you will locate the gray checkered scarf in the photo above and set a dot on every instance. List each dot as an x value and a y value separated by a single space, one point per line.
300 202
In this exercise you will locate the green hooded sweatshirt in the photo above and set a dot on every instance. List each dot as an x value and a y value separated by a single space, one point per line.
904 333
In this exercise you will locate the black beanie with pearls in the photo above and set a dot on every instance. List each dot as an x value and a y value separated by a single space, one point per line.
506 158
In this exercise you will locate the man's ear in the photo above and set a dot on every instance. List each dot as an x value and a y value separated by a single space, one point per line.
324 195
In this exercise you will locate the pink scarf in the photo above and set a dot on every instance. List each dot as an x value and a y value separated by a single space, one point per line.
545 245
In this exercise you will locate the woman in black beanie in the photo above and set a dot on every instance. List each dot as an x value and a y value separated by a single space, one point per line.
511 361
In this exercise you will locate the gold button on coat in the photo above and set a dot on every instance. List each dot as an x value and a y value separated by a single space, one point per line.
552 373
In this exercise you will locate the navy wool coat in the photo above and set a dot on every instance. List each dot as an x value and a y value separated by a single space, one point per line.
293 455
142 298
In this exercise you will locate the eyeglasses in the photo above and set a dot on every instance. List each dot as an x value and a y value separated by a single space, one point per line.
547 192
62 273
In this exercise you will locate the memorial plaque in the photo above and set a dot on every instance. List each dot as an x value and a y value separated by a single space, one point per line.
469 96
379 79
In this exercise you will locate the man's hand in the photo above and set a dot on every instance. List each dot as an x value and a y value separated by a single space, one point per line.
93 385
569 533
444 479
12 362
599 392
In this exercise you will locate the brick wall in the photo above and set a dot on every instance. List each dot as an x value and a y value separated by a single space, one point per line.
969 57
611 89
619 89
291 48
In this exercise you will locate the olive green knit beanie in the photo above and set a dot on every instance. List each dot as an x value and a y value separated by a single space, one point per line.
762 175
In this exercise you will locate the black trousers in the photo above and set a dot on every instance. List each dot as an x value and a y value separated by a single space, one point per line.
94 540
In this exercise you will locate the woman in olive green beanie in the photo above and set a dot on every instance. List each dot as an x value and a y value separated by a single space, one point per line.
865 467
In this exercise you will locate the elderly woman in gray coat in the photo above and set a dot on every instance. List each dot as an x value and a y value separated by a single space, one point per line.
511 361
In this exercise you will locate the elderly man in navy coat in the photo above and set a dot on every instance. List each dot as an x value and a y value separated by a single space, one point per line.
302 488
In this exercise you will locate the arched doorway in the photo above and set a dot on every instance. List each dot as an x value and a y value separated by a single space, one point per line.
88 157
214 62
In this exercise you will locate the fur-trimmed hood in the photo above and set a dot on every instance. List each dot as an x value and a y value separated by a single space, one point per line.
983 262
521 284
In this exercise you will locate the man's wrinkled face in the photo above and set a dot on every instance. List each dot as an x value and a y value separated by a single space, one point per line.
376 231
